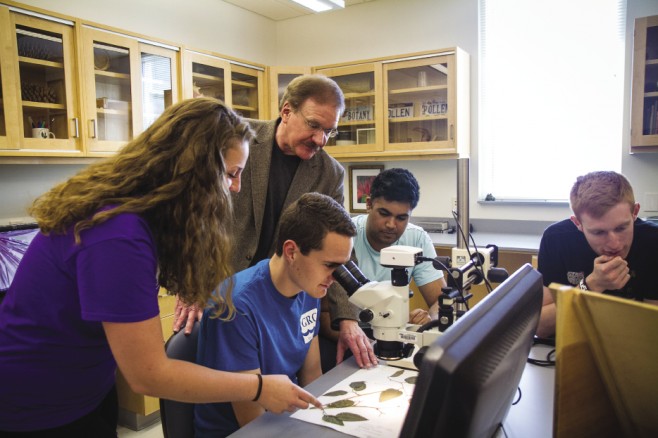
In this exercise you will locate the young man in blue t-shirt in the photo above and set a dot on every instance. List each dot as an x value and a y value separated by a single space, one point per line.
274 329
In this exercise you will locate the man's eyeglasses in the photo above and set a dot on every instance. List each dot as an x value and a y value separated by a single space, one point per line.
315 127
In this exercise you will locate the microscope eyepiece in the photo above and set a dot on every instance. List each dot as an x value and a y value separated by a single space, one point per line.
350 277
356 272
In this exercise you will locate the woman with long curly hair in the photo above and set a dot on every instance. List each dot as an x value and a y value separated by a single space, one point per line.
84 297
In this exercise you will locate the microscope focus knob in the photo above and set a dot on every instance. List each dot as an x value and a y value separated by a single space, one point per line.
366 315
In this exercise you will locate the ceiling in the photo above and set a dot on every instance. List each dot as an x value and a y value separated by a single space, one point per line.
280 9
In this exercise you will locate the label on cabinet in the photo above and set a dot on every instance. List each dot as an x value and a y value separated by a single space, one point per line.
433 108
400 110
357 113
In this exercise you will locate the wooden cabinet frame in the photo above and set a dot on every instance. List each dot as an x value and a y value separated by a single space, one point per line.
104 40
645 96
235 78
18 71
456 143
359 93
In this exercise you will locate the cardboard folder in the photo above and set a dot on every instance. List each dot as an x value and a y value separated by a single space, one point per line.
606 365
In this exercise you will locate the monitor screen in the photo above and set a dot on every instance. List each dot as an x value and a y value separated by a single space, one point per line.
468 377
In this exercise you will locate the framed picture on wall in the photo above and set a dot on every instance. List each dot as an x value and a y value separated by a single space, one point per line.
360 180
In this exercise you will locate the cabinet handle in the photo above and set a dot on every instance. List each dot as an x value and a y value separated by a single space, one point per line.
94 126
76 128
452 132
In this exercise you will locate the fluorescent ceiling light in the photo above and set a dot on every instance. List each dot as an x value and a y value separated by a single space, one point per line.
321 5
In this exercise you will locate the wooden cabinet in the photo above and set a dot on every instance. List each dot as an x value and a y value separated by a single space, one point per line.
160 80
111 90
407 107
360 129
72 89
644 111
239 85
421 102
128 82
205 75
39 104
279 78
95 89
247 91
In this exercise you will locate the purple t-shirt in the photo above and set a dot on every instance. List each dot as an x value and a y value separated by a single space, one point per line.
55 362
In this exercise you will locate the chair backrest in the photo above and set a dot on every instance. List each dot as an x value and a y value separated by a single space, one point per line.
178 418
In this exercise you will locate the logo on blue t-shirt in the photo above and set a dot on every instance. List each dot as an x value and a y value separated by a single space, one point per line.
307 323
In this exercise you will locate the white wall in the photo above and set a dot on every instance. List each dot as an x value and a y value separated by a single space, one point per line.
21 184
367 30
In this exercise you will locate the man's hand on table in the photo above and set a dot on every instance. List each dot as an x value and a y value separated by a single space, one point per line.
352 337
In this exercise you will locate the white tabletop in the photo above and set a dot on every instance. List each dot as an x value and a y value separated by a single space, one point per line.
532 416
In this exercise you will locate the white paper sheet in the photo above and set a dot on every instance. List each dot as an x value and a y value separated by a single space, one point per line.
371 403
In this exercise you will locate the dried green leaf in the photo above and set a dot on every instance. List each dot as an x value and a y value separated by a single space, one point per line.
335 393
358 386
348 416
389 394
411 380
333 420
340 404
397 373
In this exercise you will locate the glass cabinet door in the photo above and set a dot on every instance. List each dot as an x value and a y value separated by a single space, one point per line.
359 128
48 115
644 120
280 77
159 78
112 90
419 105
246 86
205 75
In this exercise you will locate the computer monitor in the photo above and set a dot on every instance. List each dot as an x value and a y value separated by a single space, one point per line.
468 377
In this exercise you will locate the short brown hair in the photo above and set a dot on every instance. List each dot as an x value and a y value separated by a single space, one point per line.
597 192
317 87
309 219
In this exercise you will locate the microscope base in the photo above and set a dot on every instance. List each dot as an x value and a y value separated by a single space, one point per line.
407 362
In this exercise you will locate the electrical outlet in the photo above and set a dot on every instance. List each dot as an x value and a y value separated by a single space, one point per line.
453 204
